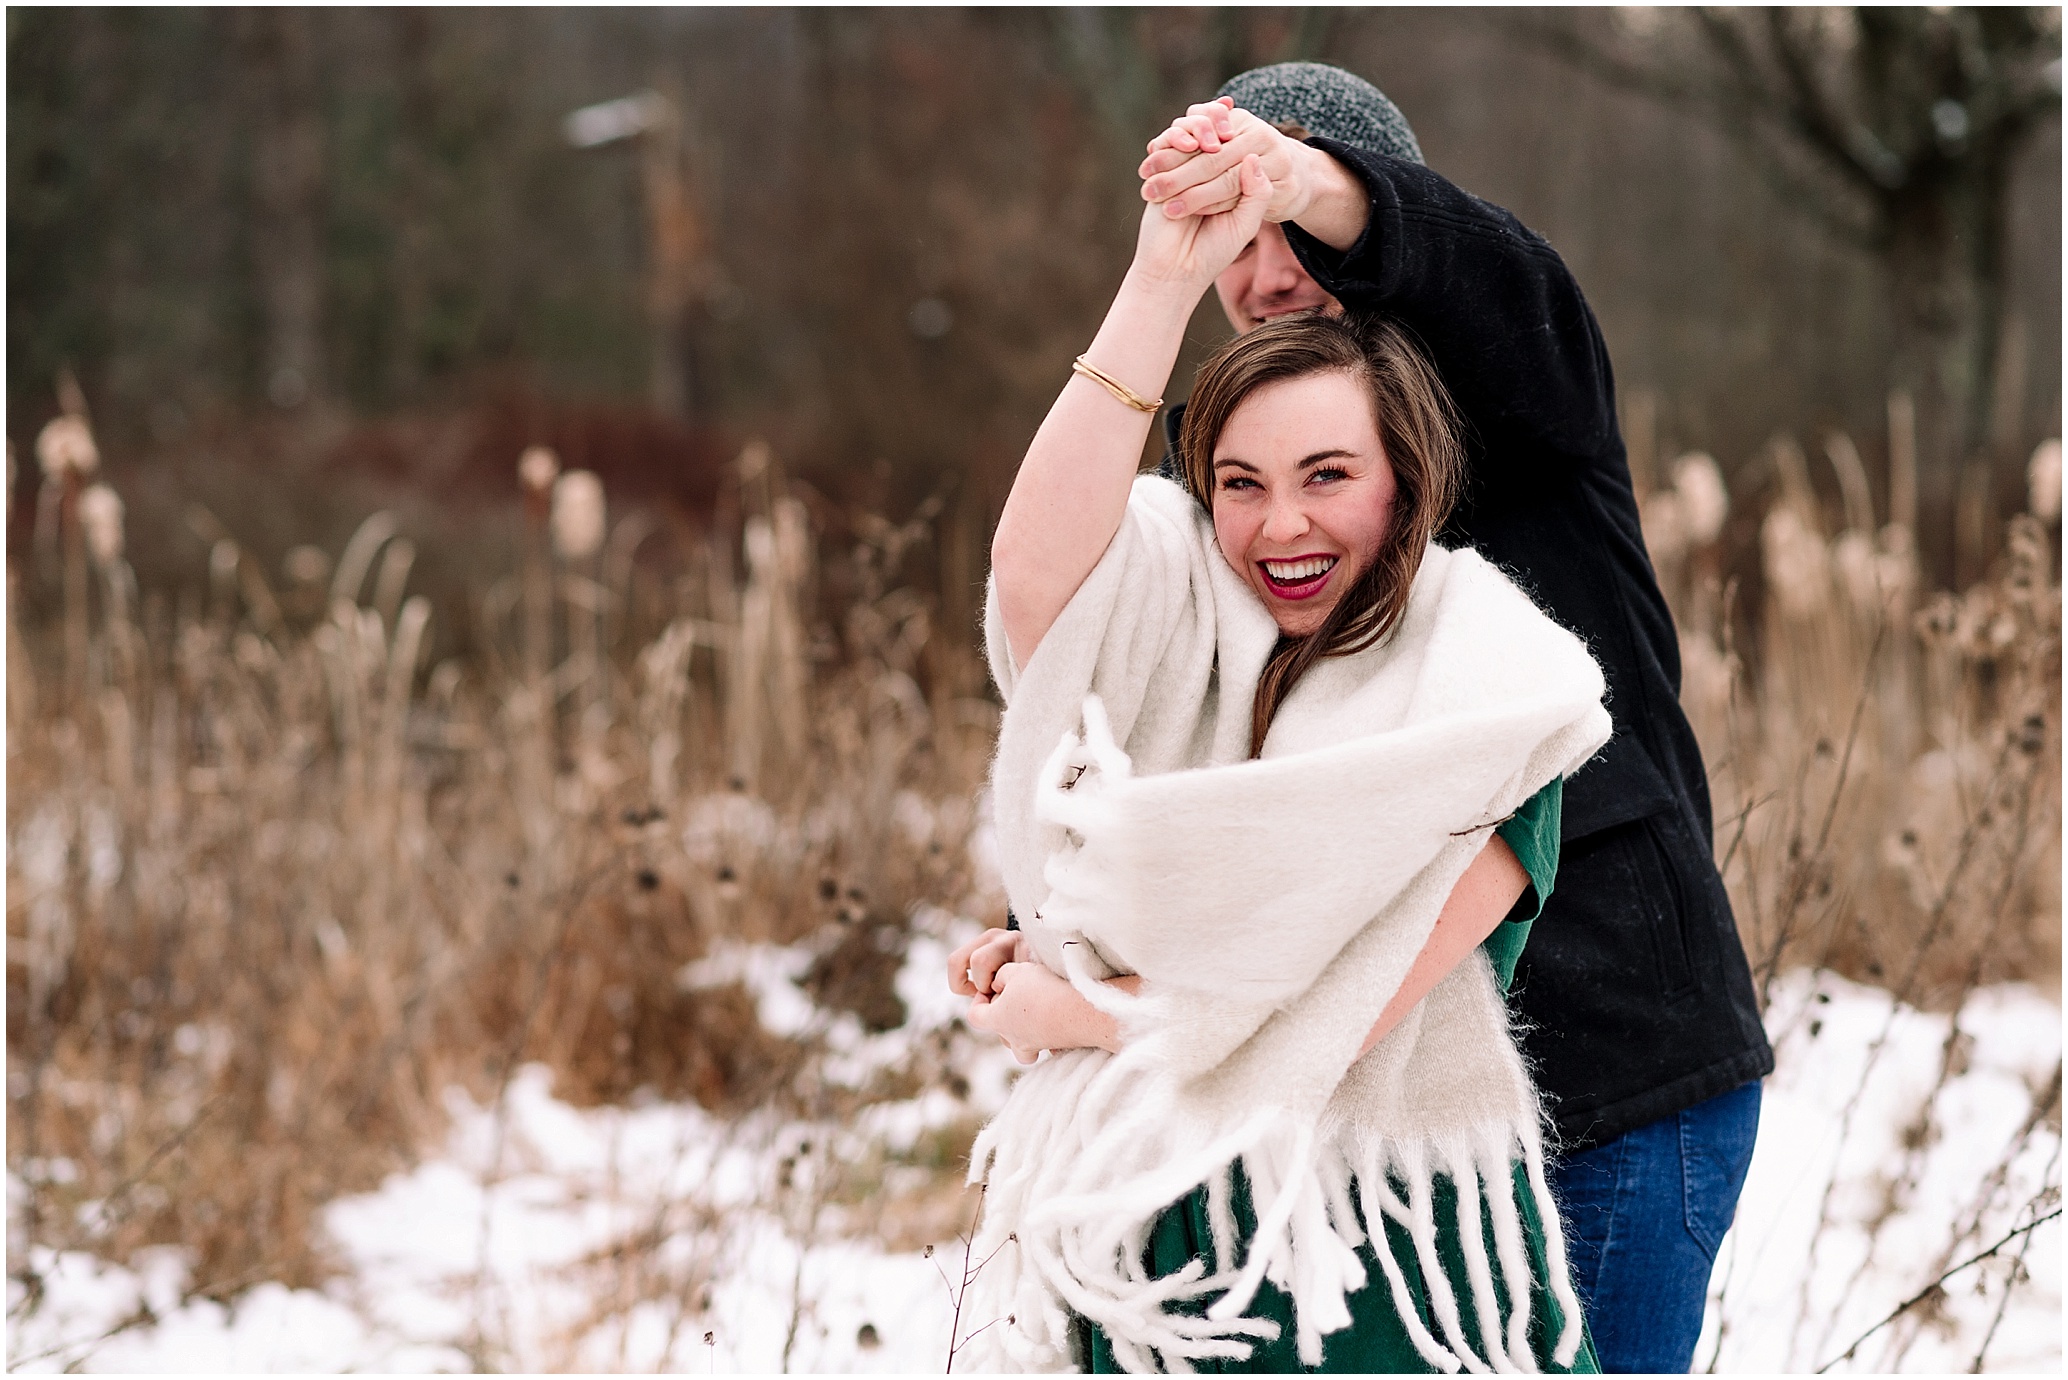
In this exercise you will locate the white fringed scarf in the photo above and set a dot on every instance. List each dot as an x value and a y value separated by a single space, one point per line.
1272 908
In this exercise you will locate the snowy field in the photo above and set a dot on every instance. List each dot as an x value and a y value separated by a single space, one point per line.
503 1250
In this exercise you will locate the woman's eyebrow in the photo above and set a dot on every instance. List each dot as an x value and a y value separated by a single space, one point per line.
1315 459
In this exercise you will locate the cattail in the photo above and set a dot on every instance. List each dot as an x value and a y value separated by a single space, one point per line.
1798 567
577 515
537 468
306 565
1664 517
100 515
66 451
1859 569
2043 481
65 447
1704 501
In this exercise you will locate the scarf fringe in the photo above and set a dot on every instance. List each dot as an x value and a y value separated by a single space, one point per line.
1062 1237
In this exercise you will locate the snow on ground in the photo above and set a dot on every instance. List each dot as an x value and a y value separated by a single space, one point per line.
542 1193
1855 1085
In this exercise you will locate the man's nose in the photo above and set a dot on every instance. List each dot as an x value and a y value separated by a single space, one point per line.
1278 268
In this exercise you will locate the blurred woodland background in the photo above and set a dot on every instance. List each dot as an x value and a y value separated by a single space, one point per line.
351 761
298 258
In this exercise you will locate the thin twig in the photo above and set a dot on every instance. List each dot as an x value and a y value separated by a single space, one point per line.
2003 1302
969 1240
1798 882
1921 1295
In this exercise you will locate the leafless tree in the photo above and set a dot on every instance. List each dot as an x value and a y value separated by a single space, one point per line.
1896 127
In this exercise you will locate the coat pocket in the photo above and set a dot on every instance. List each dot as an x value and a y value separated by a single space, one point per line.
1652 856
1653 900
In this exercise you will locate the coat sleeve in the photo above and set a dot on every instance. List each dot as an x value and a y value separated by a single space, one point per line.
1492 304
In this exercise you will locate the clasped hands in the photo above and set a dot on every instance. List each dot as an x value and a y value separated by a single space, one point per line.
1015 997
1215 176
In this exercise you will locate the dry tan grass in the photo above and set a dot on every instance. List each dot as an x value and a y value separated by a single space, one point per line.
1885 767
272 888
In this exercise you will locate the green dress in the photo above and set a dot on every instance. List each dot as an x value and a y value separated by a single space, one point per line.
1376 1340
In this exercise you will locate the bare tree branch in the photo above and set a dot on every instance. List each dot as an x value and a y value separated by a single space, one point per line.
1850 146
1739 103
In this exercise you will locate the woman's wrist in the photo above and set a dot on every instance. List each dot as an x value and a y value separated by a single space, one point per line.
1172 294
1139 339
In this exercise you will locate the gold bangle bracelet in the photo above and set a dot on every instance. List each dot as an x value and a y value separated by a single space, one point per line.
1114 386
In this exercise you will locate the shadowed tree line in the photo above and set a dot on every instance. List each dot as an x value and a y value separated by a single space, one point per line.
892 229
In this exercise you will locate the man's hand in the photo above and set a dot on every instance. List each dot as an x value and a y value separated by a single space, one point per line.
1032 1009
1195 168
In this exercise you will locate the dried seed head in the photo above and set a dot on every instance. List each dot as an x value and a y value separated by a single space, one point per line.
306 565
2043 481
537 468
66 447
577 515
1704 501
754 460
1859 570
1664 516
100 514
1798 566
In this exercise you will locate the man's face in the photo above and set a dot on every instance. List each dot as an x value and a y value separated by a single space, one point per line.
1266 280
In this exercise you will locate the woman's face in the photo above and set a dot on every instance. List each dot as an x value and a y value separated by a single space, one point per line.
1302 494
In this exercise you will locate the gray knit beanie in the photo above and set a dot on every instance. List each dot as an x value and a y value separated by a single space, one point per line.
1328 102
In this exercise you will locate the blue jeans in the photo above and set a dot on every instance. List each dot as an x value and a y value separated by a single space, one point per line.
1643 1217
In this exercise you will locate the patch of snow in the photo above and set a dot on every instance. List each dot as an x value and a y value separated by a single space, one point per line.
1857 1129
502 1250
769 972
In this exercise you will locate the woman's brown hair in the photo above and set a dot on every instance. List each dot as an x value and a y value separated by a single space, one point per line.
1418 427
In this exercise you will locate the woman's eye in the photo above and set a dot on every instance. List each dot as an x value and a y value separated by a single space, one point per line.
1327 474
1237 481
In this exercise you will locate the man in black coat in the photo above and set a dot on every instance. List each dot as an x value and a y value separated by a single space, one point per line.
1634 994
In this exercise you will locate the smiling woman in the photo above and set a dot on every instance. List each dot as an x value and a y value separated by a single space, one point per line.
1273 769
1302 524
1327 451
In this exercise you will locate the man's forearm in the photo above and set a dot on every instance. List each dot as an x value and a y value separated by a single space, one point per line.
1497 311
1338 207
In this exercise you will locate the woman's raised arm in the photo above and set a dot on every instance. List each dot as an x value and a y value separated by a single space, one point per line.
1071 490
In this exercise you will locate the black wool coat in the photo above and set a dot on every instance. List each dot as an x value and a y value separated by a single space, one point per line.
1636 998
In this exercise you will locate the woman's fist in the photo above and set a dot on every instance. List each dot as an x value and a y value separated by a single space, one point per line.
973 968
1032 1009
1177 246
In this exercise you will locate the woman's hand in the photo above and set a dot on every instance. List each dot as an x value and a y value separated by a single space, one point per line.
1032 1009
973 967
1179 249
